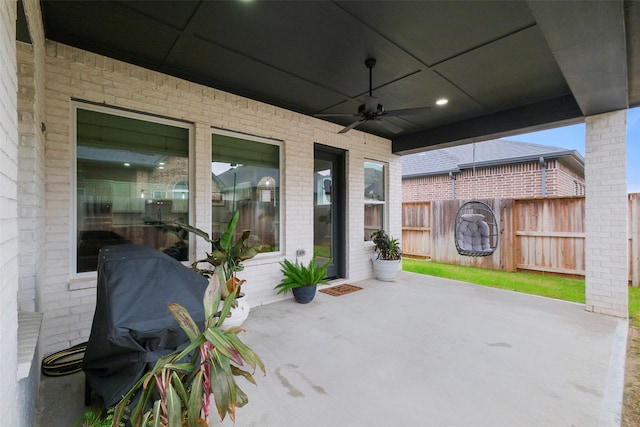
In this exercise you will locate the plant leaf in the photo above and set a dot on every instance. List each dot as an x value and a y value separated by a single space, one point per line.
226 307
194 405
194 230
212 297
118 411
180 367
219 340
247 354
179 387
222 390
184 320
146 419
174 407
157 416
225 239
241 397
242 373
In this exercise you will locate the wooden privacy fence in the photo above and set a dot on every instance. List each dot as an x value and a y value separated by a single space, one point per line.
634 239
543 235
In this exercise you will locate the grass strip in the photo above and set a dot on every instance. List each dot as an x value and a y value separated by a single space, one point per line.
535 284
528 283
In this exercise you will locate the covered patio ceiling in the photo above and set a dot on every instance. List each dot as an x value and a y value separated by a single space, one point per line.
506 67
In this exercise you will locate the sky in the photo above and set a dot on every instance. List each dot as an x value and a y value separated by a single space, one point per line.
572 137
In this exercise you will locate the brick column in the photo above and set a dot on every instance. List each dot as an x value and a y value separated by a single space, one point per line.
606 254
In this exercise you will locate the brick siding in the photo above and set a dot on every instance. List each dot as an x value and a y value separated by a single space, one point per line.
519 180
8 215
606 215
73 73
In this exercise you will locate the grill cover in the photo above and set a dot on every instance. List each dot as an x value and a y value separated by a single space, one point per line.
132 326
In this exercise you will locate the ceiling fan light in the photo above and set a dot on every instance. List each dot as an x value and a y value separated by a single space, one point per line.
442 101
370 103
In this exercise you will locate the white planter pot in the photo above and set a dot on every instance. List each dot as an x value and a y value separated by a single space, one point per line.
237 314
386 270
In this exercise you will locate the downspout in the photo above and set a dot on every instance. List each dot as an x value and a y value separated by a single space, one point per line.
453 185
543 166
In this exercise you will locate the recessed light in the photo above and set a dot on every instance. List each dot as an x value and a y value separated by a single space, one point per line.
442 101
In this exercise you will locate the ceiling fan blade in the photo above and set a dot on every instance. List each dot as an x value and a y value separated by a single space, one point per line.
352 125
407 112
336 115
389 126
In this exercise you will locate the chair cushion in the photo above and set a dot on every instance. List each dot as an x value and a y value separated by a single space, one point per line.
473 236
473 217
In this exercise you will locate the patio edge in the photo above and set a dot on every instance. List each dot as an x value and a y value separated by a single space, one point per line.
611 411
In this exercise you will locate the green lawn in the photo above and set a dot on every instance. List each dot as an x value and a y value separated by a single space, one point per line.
536 284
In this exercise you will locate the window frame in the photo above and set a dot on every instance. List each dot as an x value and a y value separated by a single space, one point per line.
76 105
281 201
385 202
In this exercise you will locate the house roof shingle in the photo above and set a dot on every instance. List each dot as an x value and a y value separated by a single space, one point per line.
487 153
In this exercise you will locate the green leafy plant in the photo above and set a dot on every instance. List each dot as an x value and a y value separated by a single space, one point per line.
95 418
225 253
298 274
177 391
387 248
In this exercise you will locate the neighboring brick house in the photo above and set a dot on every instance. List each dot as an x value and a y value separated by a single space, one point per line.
502 169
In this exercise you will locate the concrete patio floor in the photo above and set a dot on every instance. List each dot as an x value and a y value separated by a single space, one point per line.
420 351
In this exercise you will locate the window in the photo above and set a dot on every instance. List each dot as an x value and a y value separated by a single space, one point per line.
374 198
132 175
245 175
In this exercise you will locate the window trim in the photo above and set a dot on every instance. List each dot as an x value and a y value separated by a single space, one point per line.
76 105
281 203
385 202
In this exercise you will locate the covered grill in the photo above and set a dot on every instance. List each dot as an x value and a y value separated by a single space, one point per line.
132 326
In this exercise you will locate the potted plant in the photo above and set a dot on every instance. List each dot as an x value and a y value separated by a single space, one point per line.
386 263
302 279
178 390
226 259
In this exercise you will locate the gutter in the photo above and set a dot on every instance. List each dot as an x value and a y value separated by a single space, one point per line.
543 171
575 155
453 185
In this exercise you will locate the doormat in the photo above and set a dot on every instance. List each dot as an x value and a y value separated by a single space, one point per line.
336 291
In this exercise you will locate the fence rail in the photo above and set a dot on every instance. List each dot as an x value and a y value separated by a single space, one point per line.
543 235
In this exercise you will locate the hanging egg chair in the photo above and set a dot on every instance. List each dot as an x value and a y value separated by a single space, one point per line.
476 229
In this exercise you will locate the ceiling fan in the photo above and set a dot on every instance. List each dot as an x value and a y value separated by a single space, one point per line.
371 110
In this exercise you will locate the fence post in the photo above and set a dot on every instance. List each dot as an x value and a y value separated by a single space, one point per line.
634 240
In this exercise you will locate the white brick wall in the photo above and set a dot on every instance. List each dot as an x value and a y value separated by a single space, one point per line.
31 178
606 252
73 73
9 407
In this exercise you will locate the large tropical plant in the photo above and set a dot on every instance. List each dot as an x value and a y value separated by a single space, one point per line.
225 253
177 391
